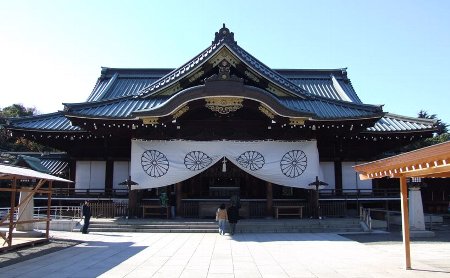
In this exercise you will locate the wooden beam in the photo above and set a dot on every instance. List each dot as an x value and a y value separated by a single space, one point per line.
405 221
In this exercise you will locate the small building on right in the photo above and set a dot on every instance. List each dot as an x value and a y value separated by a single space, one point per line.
428 162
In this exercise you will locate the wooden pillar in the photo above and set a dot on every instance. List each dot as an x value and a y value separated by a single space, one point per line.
72 176
109 176
179 196
132 203
338 177
405 221
269 199
11 212
49 206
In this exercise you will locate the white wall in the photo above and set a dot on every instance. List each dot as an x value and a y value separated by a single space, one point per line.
90 175
328 174
121 173
351 180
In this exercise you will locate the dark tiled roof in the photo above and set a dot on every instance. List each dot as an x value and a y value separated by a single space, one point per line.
120 92
50 163
331 110
47 122
32 163
395 123
314 82
331 84
118 108
55 166
117 83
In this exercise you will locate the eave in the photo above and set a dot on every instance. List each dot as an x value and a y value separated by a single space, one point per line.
432 161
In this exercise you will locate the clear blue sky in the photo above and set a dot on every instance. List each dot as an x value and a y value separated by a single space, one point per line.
397 52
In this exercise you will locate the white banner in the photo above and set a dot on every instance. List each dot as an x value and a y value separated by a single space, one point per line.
160 163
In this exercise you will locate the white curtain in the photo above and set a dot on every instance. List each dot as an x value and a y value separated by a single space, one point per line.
160 163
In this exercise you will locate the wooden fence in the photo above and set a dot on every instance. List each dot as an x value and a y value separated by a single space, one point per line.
190 209
108 209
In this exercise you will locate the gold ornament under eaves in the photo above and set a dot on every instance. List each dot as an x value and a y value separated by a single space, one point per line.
297 121
266 111
180 112
150 120
224 105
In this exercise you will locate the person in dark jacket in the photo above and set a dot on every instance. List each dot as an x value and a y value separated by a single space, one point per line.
87 217
233 217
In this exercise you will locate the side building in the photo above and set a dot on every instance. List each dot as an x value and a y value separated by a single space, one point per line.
221 125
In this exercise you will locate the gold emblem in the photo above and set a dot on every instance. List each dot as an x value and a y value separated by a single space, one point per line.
224 105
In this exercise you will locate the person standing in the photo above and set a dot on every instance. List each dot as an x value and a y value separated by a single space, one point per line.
222 217
87 216
233 217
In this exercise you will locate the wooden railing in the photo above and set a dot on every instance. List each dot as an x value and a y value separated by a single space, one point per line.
368 215
109 209
323 193
359 193
364 215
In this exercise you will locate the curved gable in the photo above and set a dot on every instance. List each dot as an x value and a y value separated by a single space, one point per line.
224 49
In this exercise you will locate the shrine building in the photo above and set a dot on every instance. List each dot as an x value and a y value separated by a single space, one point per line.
223 125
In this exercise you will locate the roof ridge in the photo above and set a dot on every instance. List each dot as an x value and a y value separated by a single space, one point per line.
97 102
39 116
348 103
417 119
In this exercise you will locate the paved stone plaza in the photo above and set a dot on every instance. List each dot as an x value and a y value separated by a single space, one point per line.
243 255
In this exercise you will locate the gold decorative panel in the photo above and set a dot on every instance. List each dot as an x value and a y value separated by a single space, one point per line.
180 112
224 54
252 76
297 121
150 120
196 75
266 111
224 105
276 91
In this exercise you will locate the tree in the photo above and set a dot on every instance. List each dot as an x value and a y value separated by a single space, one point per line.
17 110
20 144
440 136
442 127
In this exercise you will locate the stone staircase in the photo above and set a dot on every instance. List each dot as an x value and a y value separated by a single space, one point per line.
329 225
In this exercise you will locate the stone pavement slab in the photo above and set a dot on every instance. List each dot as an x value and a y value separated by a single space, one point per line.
243 255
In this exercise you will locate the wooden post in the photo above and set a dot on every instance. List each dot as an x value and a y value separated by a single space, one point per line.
11 212
179 196
49 206
338 177
109 187
269 202
405 221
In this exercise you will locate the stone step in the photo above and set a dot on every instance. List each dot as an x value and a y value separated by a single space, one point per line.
209 226
214 230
